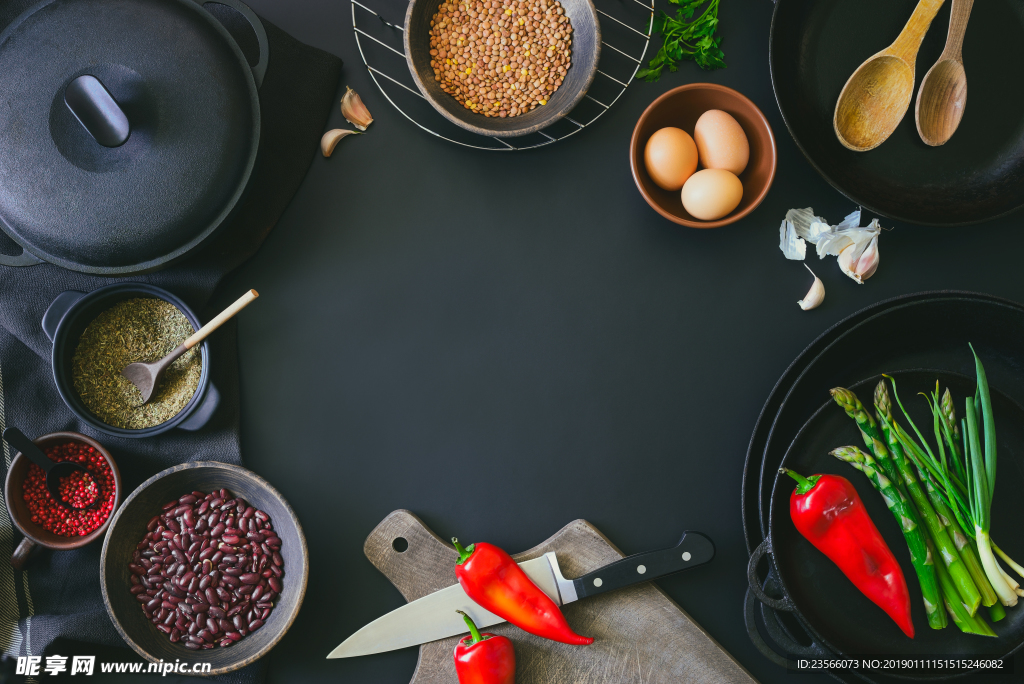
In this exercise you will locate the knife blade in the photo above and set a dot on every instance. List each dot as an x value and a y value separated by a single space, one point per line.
434 616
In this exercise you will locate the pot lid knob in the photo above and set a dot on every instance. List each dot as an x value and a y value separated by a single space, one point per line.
97 111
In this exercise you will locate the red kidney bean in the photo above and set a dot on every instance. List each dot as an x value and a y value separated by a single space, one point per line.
205 560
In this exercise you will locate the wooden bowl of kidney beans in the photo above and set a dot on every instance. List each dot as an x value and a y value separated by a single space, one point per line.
206 563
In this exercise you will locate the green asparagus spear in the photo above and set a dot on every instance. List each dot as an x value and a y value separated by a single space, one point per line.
971 624
947 550
869 431
912 531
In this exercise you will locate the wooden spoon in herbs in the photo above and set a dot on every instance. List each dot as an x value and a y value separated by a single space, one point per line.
146 376
55 470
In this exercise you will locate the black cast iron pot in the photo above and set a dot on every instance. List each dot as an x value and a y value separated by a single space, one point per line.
129 130
66 319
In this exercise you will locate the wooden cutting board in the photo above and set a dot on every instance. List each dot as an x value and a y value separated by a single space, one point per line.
641 635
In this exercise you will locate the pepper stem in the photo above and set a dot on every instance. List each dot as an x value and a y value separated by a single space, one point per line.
472 627
805 484
464 553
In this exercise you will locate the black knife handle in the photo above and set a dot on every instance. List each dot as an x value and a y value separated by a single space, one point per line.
692 550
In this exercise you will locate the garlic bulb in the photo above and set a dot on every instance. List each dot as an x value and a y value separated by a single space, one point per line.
815 296
332 138
856 247
354 111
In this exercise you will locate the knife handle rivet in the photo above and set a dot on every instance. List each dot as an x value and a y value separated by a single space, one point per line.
686 555
598 581
641 569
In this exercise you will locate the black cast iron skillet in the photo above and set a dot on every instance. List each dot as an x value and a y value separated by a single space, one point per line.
978 175
838 617
856 347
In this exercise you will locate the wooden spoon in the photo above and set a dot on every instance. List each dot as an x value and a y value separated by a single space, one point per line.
943 94
146 376
878 93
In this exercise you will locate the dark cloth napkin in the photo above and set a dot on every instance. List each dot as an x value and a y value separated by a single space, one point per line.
58 595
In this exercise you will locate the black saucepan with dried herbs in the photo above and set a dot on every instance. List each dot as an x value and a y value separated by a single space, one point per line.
96 335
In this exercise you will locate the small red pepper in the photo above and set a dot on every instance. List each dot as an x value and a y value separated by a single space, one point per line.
828 512
492 579
484 658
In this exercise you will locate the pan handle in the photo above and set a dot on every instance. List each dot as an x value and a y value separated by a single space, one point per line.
755 585
260 70
778 634
26 258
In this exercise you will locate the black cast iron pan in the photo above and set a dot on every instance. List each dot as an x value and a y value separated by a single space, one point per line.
836 615
798 394
130 132
978 175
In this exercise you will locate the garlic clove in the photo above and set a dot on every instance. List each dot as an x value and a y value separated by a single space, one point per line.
354 111
867 264
815 296
332 138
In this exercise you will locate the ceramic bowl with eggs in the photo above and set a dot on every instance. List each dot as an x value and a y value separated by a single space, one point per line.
703 155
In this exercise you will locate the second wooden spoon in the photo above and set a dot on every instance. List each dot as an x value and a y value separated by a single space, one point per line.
878 93
146 376
943 94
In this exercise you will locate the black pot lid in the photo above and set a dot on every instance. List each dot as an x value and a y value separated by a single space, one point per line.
167 74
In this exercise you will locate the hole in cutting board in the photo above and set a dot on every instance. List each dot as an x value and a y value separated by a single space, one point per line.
400 544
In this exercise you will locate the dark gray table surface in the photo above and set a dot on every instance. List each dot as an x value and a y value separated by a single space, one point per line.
503 343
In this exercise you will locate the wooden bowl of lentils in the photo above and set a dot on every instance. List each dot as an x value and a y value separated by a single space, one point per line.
205 562
502 68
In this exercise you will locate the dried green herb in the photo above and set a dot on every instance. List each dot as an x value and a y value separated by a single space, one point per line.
130 331
686 38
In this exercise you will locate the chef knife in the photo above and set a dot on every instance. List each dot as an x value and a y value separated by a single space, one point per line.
434 616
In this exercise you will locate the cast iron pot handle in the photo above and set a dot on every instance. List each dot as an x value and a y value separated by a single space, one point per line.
755 586
26 258
777 633
55 312
201 416
260 69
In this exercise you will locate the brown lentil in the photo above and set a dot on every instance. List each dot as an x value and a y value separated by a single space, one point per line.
500 57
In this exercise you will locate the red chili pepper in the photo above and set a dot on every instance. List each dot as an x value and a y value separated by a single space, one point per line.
828 512
484 658
492 579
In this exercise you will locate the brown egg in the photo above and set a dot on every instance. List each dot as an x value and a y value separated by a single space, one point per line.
710 194
721 142
670 157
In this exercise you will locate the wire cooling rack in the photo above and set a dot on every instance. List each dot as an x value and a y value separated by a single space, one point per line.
624 44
